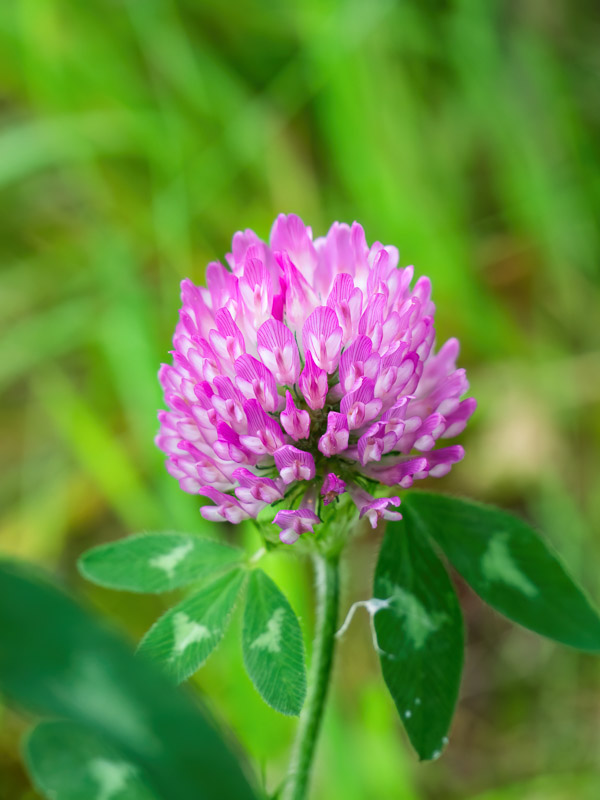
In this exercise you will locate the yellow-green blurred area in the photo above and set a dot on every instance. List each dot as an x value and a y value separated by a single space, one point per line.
136 137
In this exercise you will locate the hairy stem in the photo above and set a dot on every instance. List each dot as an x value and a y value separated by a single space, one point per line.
328 589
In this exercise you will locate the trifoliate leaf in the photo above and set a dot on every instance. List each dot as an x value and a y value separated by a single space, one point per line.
420 636
156 562
509 566
183 638
272 646
56 659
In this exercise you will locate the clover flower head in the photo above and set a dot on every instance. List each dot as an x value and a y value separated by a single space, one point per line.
304 371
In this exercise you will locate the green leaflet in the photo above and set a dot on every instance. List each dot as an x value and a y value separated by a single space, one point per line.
420 636
272 646
183 638
58 660
508 565
156 562
68 762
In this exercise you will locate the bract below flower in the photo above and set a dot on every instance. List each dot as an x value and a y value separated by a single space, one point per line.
308 365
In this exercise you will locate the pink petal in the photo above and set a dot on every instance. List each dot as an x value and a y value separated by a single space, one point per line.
332 486
335 439
256 291
313 383
278 351
264 434
360 406
322 336
257 487
296 423
295 523
294 464
291 235
254 380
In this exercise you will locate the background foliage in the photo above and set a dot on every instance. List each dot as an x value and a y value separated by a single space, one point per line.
137 137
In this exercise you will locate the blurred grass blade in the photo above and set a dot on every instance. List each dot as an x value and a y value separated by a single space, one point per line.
272 646
508 565
68 762
31 147
186 635
420 636
97 449
156 562
42 337
56 659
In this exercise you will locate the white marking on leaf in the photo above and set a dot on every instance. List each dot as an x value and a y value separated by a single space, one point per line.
419 623
111 777
270 640
407 714
107 702
187 632
171 560
498 566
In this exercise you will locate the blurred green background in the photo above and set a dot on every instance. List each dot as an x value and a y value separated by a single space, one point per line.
136 137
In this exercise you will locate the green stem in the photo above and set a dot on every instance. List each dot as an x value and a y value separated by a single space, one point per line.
328 590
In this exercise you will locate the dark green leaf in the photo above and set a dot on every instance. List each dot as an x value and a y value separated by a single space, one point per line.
156 562
56 659
509 566
420 636
272 645
67 762
183 638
